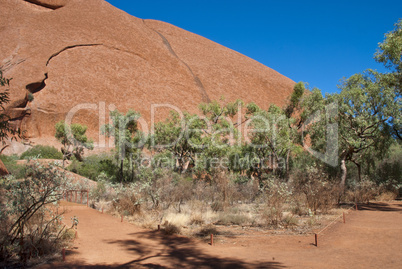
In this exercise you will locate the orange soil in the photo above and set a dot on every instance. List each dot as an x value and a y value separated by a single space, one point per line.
371 238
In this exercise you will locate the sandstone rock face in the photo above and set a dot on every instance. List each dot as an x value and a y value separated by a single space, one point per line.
87 57
3 169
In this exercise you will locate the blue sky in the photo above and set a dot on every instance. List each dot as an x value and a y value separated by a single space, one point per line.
318 42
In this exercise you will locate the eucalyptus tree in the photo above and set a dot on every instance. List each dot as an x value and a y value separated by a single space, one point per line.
389 53
74 140
270 139
180 136
361 112
128 138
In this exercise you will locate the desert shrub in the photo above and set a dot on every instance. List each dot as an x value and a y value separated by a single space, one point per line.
276 194
388 172
176 191
68 235
203 191
127 204
297 208
249 191
16 170
29 225
363 191
232 219
386 196
102 205
197 220
170 229
162 188
42 152
272 215
102 190
290 221
207 230
316 187
226 190
217 206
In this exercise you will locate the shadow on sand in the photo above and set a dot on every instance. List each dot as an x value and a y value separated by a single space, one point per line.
381 207
173 252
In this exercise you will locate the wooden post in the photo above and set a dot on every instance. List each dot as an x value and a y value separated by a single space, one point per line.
76 234
121 218
159 227
102 210
356 207
81 196
316 239
63 253
344 220
212 239
76 196
87 199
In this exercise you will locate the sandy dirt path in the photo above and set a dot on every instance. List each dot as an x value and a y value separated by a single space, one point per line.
371 238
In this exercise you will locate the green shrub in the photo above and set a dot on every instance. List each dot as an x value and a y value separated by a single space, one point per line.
94 165
15 169
42 152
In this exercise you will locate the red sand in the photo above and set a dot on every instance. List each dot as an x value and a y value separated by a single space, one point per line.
371 238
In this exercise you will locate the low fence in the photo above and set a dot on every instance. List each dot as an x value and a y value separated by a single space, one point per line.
343 216
77 196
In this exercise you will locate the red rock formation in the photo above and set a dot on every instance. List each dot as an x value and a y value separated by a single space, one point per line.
71 52
3 169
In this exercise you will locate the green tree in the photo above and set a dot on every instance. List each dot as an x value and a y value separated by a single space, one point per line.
183 138
270 139
389 53
295 99
362 112
128 139
74 140
221 135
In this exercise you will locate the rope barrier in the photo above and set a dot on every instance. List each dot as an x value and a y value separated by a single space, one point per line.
326 227
341 215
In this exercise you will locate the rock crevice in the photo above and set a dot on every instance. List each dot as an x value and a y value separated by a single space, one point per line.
203 92
37 86
45 4
90 45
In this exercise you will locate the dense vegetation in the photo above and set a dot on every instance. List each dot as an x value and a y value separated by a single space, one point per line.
42 152
348 134
232 163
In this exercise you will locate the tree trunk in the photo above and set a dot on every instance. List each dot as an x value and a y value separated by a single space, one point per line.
343 178
121 170
287 164
359 171
343 174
